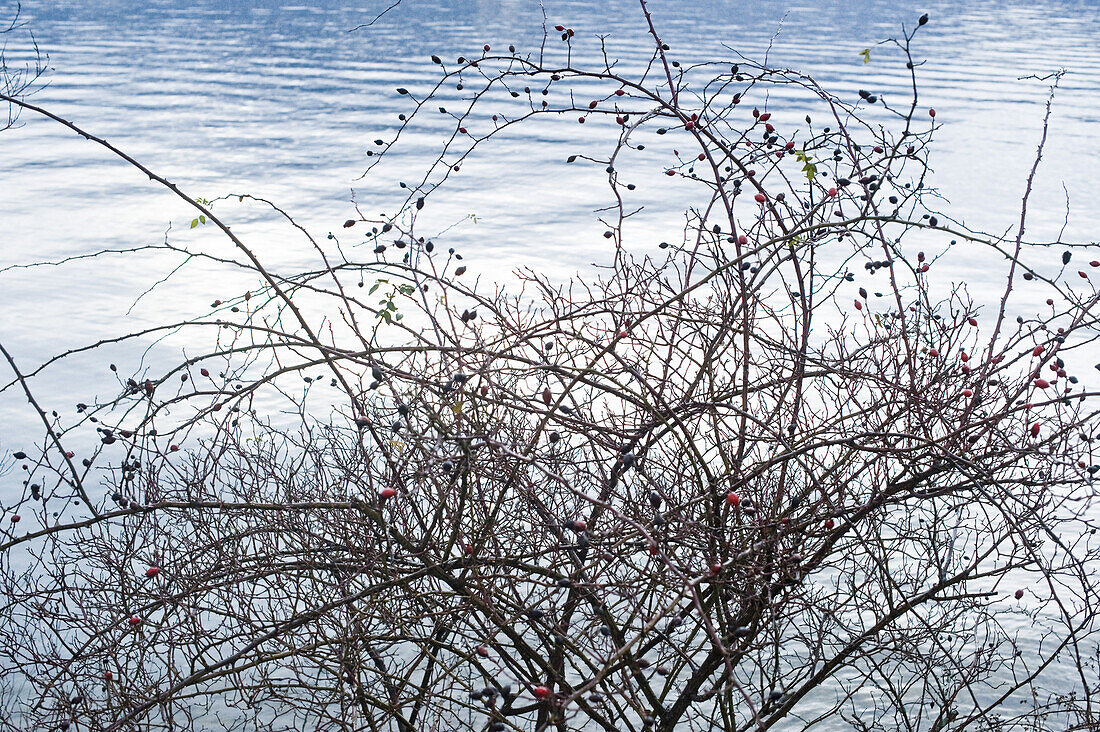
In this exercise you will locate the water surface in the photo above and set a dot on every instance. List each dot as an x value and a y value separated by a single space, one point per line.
283 101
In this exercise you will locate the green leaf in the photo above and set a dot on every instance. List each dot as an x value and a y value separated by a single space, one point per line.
374 287
866 54
194 223
202 218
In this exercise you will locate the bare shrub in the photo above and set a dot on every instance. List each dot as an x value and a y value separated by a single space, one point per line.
719 485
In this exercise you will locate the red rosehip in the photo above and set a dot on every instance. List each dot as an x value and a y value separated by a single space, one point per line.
387 493
152 571
541 692
15 519
967 393
933 352
733 499
829 523
1038 350
135 621
931 113
107 675
1019 594
1042 383
972 321
859 305
760 197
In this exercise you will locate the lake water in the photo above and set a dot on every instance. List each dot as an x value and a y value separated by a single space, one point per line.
281 100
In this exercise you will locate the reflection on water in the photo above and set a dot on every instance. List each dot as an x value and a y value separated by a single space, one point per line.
280 100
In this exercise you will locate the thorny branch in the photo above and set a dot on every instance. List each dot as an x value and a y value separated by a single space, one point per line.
725 486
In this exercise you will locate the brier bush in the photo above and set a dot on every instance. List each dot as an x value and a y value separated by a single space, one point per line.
771 474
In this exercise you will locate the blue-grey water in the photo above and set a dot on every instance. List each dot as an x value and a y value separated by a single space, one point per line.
282 100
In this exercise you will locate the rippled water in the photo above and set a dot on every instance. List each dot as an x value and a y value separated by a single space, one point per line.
282 101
